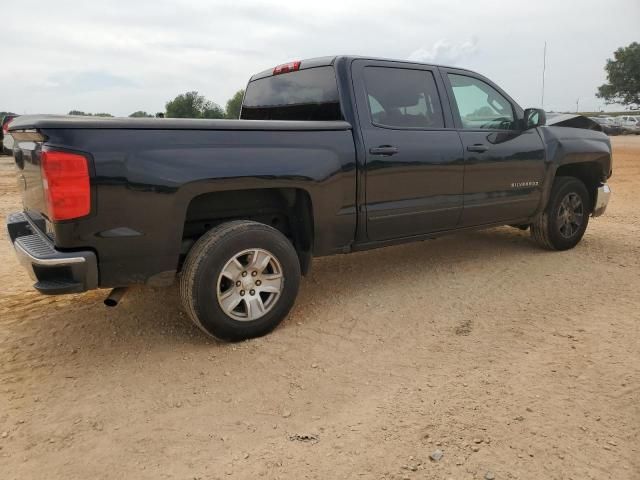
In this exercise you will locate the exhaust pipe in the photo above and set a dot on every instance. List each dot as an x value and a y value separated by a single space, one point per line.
115 296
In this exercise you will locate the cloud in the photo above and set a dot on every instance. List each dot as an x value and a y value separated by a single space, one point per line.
445 52
136 55
89 81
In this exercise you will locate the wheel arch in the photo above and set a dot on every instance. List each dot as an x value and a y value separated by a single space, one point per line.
589 173
288 209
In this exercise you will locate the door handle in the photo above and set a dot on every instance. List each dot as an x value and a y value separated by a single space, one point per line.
387 150
477 148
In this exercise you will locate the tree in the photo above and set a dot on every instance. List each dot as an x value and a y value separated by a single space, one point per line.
85 114
623 75
234 104
192 105
213 110
140 114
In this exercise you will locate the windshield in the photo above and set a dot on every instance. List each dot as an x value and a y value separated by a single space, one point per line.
310 94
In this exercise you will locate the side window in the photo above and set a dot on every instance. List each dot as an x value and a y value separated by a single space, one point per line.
480 105
403 98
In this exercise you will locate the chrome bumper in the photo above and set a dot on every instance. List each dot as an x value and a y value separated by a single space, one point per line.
55 272
602 200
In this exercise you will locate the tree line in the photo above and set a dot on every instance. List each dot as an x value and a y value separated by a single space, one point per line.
622 87
187 105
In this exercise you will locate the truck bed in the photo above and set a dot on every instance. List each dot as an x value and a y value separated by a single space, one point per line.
63 121
145 173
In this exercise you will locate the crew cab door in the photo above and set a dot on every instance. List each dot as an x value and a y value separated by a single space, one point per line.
414 157
504 165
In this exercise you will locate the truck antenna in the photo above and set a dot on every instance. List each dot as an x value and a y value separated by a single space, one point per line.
544 69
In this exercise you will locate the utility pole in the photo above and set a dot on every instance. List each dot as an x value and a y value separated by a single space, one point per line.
544 68
577 104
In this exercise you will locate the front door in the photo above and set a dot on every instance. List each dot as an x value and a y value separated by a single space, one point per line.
504 164
414 157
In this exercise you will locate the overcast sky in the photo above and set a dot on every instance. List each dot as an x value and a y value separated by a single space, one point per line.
121 56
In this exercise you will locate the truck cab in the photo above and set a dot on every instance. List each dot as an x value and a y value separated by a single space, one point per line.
437 148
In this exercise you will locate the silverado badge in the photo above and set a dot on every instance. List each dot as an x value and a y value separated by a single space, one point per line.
532 183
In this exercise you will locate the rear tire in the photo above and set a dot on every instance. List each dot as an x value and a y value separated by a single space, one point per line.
240 280
563 222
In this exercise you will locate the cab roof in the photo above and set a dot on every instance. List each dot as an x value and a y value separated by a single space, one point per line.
330 60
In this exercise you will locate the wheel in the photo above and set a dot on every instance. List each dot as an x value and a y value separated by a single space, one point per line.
565 219
240 280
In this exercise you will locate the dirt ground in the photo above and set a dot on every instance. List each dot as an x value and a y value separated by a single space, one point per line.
514 362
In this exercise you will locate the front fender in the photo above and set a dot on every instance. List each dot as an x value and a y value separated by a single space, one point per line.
569 146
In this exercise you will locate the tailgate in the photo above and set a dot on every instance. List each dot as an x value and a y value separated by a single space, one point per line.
27 158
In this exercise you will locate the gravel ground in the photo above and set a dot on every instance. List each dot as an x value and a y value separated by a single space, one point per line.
469 357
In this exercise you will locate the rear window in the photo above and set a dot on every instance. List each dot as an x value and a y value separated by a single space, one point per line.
310 94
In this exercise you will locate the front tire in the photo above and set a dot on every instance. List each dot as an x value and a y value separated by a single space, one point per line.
563 222
240 280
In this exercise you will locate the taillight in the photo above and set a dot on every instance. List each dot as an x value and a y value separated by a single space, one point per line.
287 67
5 127
65 177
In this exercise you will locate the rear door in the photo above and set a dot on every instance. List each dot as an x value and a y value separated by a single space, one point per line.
414 157
504 165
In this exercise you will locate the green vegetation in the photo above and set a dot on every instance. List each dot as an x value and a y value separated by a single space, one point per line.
234 104
623 75
192 105
186 105
140 114
84 114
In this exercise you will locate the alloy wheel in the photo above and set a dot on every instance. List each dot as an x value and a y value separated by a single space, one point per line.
570 215
250 284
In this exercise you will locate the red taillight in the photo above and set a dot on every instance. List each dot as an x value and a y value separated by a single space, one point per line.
65 177
287 67
5 127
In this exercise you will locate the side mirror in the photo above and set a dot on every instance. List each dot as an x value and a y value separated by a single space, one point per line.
534 117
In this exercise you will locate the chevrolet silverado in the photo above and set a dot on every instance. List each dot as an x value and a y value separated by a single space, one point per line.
330 155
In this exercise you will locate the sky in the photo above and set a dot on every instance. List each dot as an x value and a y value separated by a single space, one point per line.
121 56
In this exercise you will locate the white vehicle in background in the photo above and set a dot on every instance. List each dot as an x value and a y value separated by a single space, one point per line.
630 123
607 125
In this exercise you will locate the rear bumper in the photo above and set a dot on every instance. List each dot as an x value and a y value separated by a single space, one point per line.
602 200
54 272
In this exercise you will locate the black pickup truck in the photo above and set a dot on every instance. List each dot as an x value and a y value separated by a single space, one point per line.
330 155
